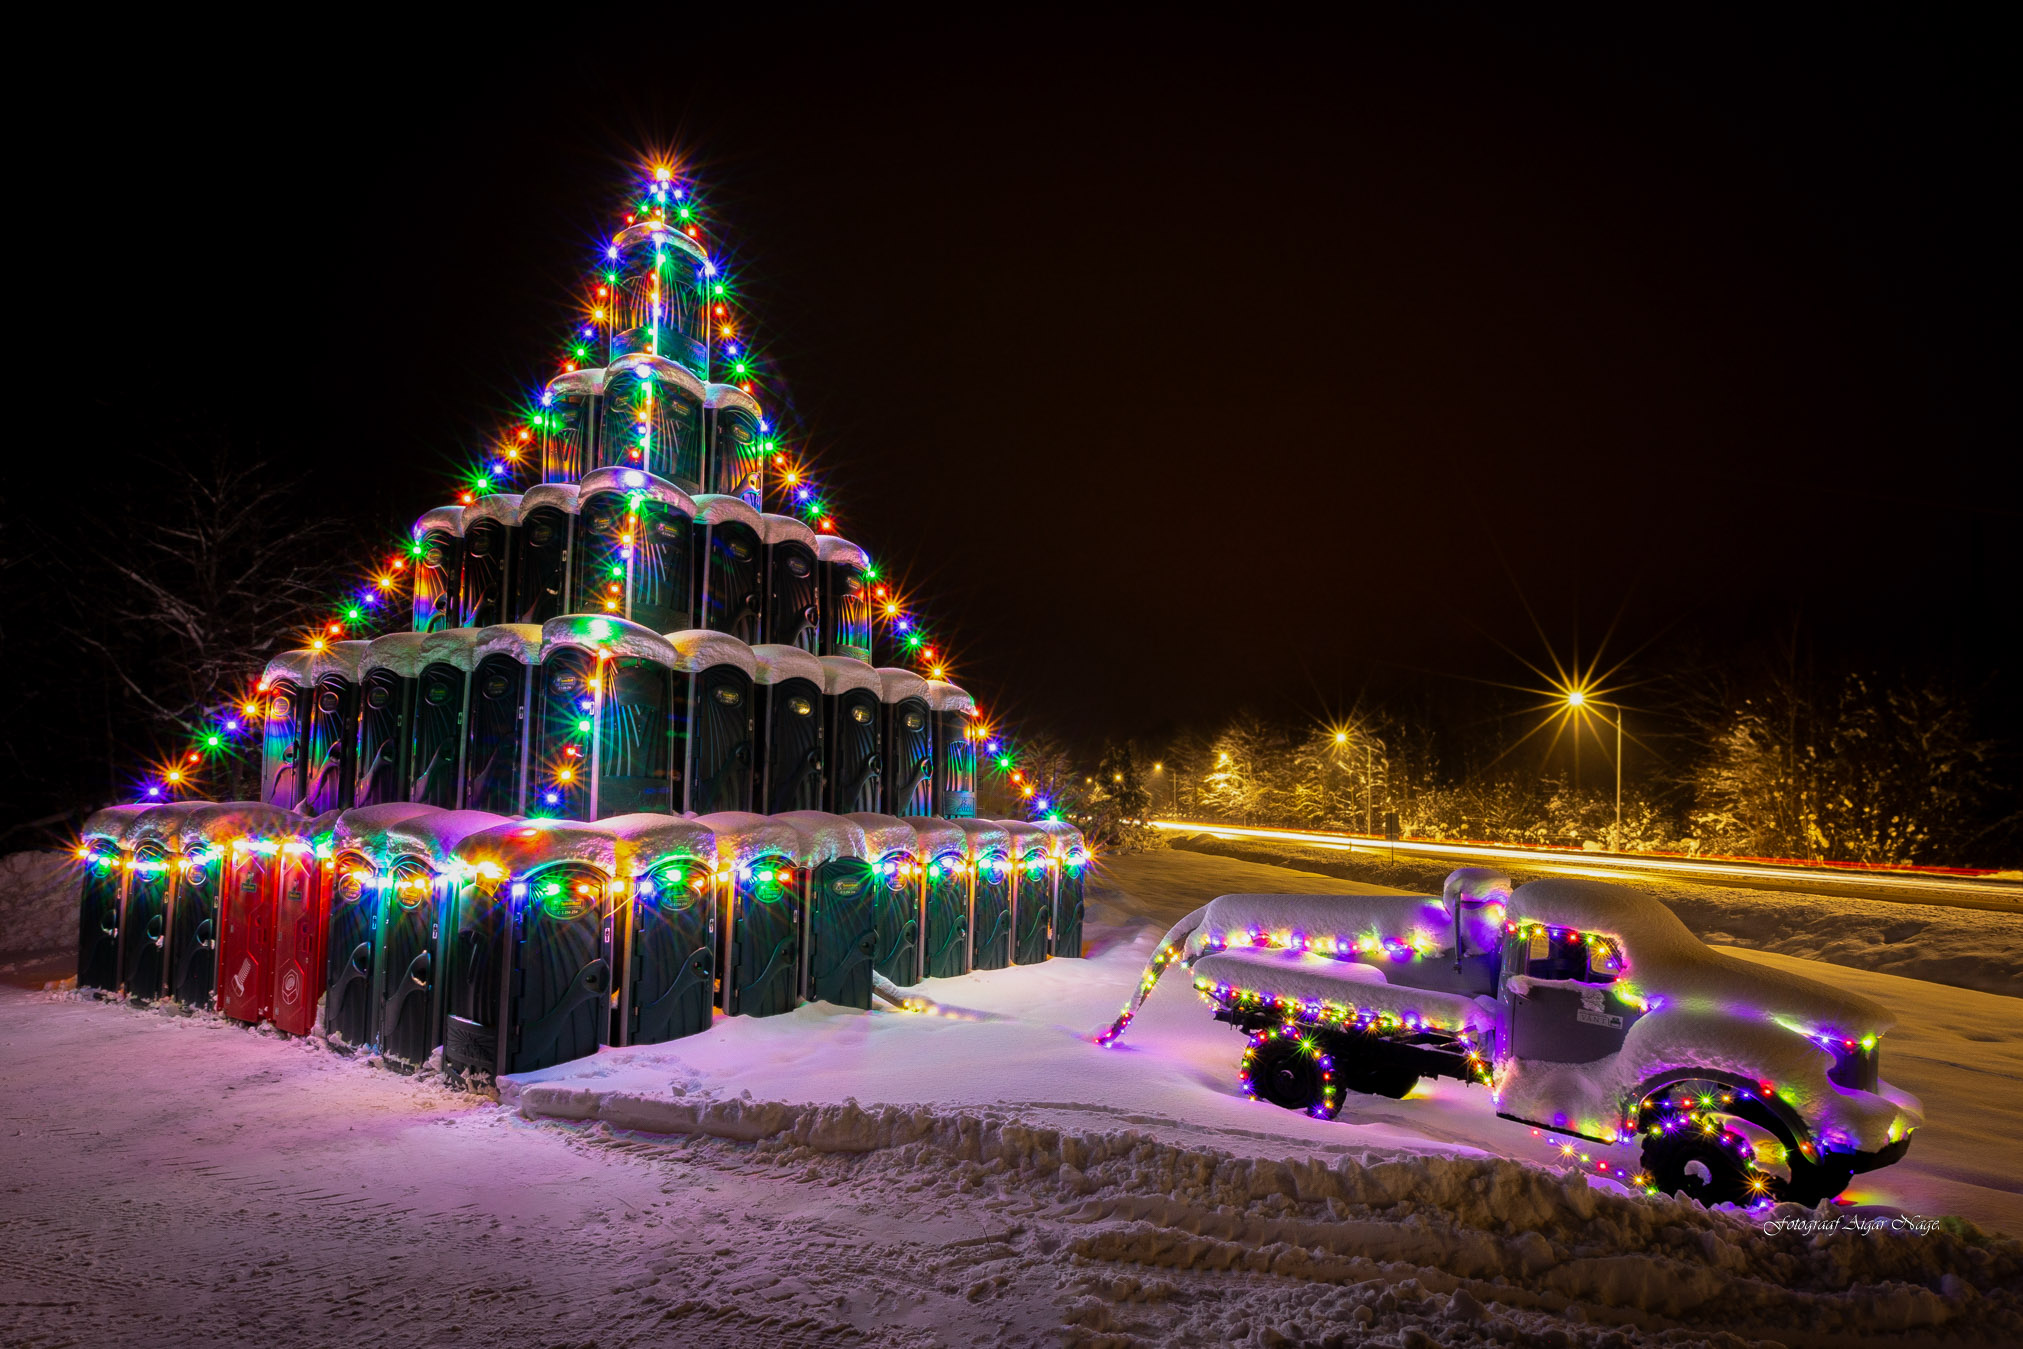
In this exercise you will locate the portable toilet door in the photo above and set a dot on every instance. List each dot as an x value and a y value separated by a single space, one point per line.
892 846
330 729
358 861
154 845
653 420
558 975
491 533
852 765
715 681
990 925
281 690
845 573
246 927
1071 864
665 938
908 743
301 927
568 418
942 853
793 587
386 698
192 949
840 899
762 912
953 713
418 895
659 301
605 737
542 552
729 586
1032 892
102 894
497 736
441 704
787 729
738 448
436 557
634 532
221 947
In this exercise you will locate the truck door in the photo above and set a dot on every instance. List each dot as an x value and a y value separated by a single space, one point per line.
1559 1000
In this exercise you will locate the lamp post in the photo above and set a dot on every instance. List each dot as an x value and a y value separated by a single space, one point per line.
1578 700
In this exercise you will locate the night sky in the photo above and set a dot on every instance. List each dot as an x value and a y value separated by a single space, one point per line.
1170 363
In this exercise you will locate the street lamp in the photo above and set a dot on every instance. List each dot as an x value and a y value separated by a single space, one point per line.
1577 700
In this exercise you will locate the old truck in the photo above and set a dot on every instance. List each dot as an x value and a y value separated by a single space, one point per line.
1583 1007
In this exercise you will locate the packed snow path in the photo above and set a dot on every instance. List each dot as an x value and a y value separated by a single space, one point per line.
179 1180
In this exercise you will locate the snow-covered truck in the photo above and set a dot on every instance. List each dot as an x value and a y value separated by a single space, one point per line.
1585 1008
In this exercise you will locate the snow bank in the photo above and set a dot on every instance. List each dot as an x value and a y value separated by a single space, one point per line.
38 903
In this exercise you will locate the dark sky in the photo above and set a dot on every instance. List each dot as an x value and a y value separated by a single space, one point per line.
1169 361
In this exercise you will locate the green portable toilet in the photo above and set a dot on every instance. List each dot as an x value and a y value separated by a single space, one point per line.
155 864
606 720
102 853
893 849
737 445
990 926
388 676
952 714
330 727
499 732
420 888
283 688
436 559
491 545
442 704
846 598
941 850
762 912
665 938
1032 891
852 726
631 556
570 414
359 859
787 729
1070 859
907 742
840 904
543 551
714 719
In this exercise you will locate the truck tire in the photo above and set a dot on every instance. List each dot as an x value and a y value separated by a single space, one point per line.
1699 1166
1375 1078
1290 1068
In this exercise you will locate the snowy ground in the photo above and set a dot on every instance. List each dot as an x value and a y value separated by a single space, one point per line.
980 1176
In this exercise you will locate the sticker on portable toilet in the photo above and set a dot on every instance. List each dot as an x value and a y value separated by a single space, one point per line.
291 985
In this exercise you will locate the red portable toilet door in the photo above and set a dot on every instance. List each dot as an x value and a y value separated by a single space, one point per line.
300 930
246 940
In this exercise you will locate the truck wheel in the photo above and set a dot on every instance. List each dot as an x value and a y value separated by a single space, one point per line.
1377 1079
1705 1167
1289 1067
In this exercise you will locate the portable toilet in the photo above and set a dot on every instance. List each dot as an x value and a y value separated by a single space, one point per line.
653 420
631 559
729 589
442 701
542 551
257 863
196 918
330 727
737 446
436 557
787 729
301 923
491 541
528 947
282 685
715 682
908 742
154 846
419 890
1032 891
892 847
942 853
852 767
952 713
359 859
1071 865
761 923
843 568
498 732
387 678
605 736
571 410
793 589
658 303
990 928
665 939
839 897
101 849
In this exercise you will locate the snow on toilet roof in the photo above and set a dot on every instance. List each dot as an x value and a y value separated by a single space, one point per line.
576 382
829 548
933 837
505 507
563 495
715 509
399 652
983 836
785 529
435 836
731 396
628 480
885 835
1066 837
517 847
455 647
825 837
896 685
645 840
293 665
111 822
600 632
450 518
363 829
943 696
742 836
160 824
775 663
1025 837
344 659
521 641
840 674
231 820
657 232
700 648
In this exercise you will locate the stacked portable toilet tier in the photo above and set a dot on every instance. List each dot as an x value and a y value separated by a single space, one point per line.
514 944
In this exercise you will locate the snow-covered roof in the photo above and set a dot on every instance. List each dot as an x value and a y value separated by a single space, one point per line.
434 837
646 839
785 529
577 382
112 822
449 518
943 696
454 647
824 837
701 648
616 478
1027 839
1067 838
521 641
1332 923
840 674
1476 885
984 837
659 368
517 847
600 632
400 652
364 828
731 396
933 837
505 507
742 836
1667 961
714 508
896 685
657 232
161 823
561 495
829 548
230 820
776 662
294 665
341 658
885 835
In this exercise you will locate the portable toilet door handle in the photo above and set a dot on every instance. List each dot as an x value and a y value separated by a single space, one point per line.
361 958
206 934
